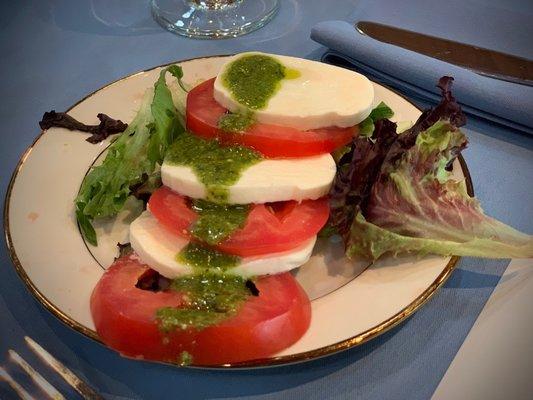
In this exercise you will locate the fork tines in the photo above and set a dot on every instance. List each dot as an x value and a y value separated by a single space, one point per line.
86 391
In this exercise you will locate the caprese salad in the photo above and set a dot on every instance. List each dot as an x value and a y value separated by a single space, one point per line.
243 197
239 174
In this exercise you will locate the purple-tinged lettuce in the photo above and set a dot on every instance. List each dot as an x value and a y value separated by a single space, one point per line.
107 126
396 194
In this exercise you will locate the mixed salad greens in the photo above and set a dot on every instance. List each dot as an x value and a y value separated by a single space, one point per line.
395 193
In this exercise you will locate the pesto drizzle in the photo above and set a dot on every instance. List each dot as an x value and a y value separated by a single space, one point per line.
216 166
202 257
185 359
236 122
211 295
210 299
253 79
216 222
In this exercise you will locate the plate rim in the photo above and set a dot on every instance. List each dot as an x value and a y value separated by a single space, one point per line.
309 355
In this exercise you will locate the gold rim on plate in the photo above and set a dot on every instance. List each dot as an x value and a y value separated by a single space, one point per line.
263 362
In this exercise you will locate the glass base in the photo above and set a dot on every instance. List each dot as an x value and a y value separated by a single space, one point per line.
213 19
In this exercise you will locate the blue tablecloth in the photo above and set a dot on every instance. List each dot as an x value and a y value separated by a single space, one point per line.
56 52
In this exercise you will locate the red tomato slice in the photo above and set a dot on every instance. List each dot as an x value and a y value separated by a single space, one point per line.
269 228
203 113
124 316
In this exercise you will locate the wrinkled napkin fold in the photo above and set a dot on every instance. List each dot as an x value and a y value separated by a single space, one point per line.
414 74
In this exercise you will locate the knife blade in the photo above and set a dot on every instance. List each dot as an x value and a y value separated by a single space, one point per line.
483 61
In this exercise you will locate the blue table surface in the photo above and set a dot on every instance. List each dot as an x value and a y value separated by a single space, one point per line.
54 52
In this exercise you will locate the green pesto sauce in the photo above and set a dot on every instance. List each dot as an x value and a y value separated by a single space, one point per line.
236 122
210 299
216 166
185 358
254 79
216 222
202 257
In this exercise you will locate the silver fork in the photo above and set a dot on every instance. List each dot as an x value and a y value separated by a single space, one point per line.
86 391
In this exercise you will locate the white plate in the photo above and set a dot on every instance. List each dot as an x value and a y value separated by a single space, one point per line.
61 270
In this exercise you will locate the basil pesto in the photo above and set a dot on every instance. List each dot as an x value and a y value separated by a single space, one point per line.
216 166
216 222
253 79
236 122
210 299
185 358
201 257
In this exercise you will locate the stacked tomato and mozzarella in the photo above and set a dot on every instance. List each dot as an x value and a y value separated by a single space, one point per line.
306 119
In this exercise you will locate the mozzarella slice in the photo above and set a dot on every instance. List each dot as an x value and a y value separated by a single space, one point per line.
267 181
157 247
323 95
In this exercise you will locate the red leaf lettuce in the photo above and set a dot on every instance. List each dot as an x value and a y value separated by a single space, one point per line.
395 193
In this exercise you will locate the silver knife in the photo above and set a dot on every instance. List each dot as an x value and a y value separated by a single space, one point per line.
480 60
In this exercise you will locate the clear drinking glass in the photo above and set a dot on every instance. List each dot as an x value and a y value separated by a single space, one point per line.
213 19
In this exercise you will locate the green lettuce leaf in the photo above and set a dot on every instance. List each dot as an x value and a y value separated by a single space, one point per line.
371 242
133 157
381 111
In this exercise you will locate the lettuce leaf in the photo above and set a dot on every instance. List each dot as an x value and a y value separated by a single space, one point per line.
396 194
132 158
107 126
371 242
357 169
381 111
366 155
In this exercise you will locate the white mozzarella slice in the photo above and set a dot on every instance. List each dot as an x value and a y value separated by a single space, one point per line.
267 181
323 95
157 247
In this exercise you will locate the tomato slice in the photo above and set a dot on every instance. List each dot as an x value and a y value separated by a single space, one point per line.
203 113
124 316
269 228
